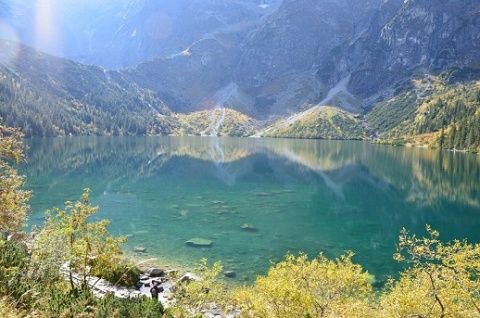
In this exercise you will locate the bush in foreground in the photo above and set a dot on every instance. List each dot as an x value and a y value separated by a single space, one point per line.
298 287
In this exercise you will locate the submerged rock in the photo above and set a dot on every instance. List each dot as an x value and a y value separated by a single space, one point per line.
140 249
247 227
199 242
230 274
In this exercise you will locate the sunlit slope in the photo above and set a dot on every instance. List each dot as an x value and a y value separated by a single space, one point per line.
216 122
323 122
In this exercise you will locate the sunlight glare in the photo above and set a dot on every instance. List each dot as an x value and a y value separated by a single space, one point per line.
46 31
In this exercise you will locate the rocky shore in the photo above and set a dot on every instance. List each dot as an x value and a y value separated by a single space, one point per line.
165 280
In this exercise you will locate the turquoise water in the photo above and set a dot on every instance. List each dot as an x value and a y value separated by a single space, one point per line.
301 195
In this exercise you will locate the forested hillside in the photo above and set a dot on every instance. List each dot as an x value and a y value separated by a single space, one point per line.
438 111
49 96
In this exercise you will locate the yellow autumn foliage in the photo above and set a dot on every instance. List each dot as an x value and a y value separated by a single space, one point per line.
299 287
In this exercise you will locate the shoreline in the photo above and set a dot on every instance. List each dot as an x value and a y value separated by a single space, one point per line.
144 262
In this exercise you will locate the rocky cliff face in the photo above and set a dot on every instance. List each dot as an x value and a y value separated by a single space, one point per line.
299 35
418 36
433 34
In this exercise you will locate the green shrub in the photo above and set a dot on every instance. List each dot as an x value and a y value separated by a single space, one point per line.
13 264
135 307
123 274
82 303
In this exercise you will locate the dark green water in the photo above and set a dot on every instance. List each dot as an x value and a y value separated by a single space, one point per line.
301 195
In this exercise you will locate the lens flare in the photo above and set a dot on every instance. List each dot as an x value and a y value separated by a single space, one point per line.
46 31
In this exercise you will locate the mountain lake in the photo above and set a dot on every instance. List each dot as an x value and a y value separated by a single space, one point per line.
256 199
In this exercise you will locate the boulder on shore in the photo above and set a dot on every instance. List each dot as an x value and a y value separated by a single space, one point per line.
155 272
199 242
189 277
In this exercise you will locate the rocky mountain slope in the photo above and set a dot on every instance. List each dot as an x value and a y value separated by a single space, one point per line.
273 63
299 54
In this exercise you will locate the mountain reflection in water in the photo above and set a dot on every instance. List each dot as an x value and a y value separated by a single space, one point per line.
301 195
